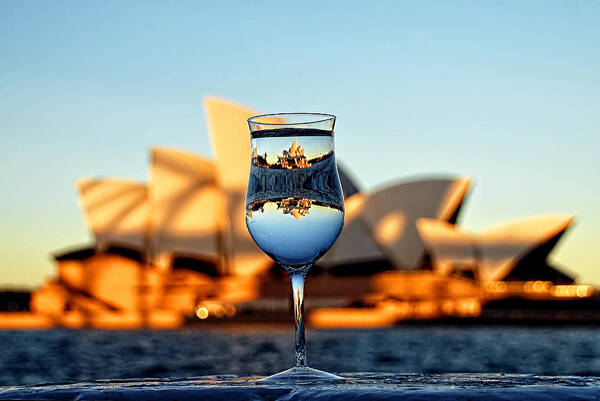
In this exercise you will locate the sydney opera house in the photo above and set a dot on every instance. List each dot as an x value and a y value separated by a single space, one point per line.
175 250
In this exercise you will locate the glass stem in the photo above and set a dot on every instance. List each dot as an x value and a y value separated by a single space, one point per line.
298 292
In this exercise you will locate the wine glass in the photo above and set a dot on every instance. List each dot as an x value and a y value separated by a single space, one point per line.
294 207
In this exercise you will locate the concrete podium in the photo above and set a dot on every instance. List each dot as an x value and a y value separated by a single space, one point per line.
359 386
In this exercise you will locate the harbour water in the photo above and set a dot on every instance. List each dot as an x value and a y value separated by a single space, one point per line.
43 356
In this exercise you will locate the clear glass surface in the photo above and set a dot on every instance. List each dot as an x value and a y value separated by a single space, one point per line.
294 208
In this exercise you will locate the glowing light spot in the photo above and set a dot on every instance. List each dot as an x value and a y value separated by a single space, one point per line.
163 262
230 310
571 291
202 312
219 311
468 307
390 228
538 286
354 204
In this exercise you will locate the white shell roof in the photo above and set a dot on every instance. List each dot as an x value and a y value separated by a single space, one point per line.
195 206
452 247
116 210
230 137
390 215
503 245
354 244
499 248
187 207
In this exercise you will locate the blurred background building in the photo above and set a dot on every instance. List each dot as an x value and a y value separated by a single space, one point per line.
175 251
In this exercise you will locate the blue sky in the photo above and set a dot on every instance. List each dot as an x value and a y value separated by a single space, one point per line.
504 92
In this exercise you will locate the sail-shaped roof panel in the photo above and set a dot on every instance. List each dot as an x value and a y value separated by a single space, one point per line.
391 215
188 209
503 245
116 211
230 138
451 247
355 244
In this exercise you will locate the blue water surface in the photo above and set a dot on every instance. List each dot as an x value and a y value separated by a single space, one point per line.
29 357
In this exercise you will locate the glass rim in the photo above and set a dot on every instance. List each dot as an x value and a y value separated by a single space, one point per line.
318 118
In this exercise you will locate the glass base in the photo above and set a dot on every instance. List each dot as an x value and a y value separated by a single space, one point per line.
301 375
